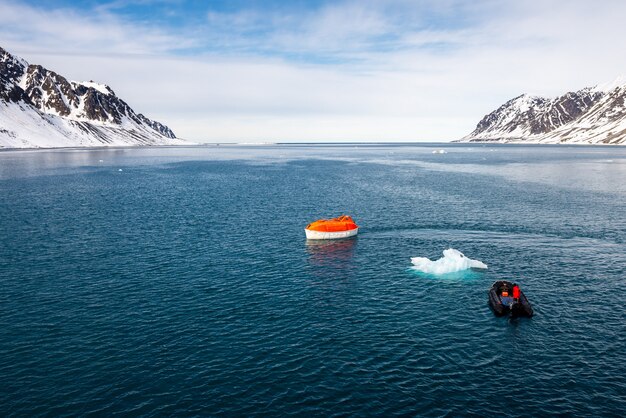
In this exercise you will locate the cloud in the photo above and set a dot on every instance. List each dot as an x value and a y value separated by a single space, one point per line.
70 31
394 70
334 31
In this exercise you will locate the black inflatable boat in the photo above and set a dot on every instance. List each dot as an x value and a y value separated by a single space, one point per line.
506 298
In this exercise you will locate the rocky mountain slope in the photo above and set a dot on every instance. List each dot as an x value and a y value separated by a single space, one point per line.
40 108
589 116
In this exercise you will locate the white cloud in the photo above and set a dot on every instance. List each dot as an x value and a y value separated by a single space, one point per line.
28 29
346 71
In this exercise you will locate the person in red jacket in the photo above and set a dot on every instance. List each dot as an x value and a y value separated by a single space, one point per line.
516 292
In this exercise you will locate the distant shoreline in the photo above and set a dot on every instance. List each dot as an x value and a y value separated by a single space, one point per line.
266 144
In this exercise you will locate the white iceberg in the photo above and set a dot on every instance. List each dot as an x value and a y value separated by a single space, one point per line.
452 261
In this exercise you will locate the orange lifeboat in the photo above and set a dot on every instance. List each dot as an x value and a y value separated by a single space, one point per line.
336 228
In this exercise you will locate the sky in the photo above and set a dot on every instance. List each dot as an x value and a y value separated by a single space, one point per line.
312 70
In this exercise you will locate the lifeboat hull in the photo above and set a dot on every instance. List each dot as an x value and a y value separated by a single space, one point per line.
311 234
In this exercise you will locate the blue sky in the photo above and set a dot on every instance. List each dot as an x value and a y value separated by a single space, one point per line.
266 27
395 70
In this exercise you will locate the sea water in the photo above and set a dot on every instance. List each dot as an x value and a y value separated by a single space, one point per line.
178 281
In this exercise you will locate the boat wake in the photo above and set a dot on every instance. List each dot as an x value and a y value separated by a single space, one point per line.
452 261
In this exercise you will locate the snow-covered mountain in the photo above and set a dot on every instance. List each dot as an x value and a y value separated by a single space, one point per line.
589 116
40 108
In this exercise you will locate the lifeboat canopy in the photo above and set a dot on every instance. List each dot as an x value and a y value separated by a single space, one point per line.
335 228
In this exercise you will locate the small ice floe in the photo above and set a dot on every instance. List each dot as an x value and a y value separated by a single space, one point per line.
100 161
440 151
120 170
452 261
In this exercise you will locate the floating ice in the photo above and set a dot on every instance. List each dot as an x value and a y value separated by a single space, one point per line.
452 261
440 151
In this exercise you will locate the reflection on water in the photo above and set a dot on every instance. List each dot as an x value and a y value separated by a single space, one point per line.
331 256
464 275
592 168
18 164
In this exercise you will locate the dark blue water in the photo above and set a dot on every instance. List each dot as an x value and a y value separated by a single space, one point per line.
177 281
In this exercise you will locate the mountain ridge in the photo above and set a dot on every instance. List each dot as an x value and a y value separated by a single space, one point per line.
592 115
41 108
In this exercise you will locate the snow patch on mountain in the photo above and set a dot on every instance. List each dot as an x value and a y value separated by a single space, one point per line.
102 88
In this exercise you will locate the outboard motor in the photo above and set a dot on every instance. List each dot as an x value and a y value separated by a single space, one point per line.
517 309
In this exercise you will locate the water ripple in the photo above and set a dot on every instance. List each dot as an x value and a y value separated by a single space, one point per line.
161 292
